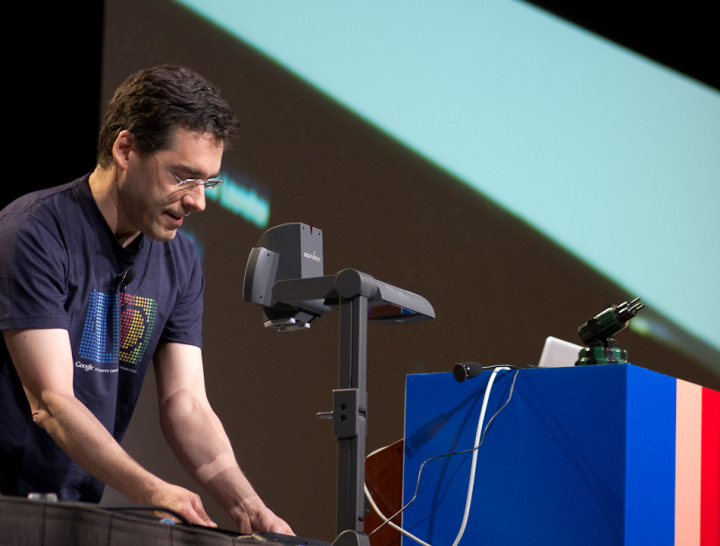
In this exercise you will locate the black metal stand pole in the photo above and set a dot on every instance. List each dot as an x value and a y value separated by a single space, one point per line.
350 414
352 290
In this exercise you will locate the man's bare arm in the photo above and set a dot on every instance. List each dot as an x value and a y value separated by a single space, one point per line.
198 439
43 360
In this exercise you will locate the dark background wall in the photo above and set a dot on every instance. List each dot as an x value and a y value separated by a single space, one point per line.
265 386
52 95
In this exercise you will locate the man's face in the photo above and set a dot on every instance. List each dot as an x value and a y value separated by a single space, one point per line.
149 199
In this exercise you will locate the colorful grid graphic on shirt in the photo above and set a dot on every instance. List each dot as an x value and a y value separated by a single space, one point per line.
108 337
99 344
136 326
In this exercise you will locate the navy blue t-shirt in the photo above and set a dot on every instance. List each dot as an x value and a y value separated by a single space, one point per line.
59 268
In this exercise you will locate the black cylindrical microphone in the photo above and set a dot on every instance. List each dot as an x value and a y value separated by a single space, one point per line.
125 278
466 370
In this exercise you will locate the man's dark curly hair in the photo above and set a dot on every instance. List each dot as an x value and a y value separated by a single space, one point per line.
153 102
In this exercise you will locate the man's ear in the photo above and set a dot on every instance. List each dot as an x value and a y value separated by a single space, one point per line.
124 144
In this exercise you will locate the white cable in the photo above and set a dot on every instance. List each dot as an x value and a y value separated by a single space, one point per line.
473 466
382 516
475 454
390 523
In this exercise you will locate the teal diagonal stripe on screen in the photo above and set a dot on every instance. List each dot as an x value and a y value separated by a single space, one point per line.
611 155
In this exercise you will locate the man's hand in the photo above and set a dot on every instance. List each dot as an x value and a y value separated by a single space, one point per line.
253 516
186 503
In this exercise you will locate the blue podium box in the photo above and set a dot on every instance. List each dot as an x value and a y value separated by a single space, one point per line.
580 456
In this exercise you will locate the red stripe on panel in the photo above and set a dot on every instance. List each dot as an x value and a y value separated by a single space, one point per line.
710 492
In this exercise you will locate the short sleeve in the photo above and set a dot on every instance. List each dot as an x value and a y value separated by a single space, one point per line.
184 324
33 269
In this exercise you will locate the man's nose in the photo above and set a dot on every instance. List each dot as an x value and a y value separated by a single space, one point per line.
194 200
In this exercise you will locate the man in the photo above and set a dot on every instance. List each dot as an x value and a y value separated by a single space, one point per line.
95 281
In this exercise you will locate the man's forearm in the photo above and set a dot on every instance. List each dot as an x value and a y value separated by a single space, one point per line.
199 441
78 432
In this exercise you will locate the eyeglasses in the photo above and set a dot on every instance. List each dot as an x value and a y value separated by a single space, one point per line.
189 183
